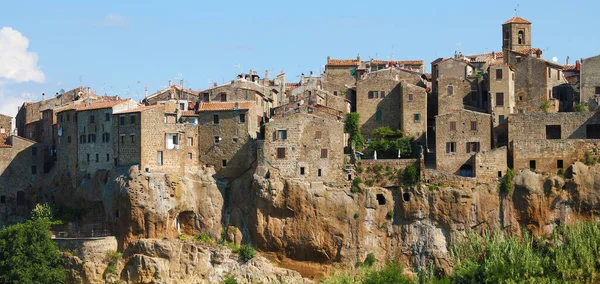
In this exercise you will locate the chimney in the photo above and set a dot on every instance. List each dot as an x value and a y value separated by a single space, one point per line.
214 84
43 97
494 55
577 65
169 83
301 78
266 74
358 58
181 83
328 57
568 60
311 74
531 52
146 92
2 131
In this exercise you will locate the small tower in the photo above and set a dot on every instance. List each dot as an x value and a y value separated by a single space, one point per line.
516 34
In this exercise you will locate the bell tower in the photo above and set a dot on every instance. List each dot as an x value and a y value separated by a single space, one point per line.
516 34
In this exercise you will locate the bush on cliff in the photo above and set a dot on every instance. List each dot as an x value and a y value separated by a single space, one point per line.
507 181
28 254
353 129
247 252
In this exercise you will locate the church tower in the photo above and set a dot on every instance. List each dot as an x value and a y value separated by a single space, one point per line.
516 34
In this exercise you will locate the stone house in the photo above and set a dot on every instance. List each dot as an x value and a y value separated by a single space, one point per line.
67 141
309 90
460 135
5 124
95 135
305 143
490 165
590 82
340 76
413 65
228 131
20 167
244 89
457 84
172 92
413 112
549 141
155 140
378 98
501 81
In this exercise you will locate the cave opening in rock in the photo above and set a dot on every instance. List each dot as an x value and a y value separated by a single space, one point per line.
186 222
380 199
406 196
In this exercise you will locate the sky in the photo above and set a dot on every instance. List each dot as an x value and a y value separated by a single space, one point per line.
121 47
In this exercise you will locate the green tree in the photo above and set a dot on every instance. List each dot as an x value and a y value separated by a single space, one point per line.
387 132
41 211
506 183
353 130
410 175
28 254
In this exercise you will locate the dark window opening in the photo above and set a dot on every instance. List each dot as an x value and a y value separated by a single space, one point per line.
451 147
33 170
319 172
592 131
499 174
380 199
107 116
323 153
20 197
242 117
349 177
498 74
2 199
532 165
559 164
499 99
466 171
406 197
452 126
224 163
215 118
117 213
472 147
450 90
553 132
378 115
301 170
280 153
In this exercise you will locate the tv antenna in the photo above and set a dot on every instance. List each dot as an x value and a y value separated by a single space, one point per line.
517 10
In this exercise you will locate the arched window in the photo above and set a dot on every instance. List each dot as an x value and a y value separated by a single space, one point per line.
521 38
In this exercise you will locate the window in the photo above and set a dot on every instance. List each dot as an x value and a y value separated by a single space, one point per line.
501 118
280 153
323 153
3 199
411 97
33 170
417 117
592 131
105 137
160 158
552 131
373 94
122 139
518 60
217 139
92 138
302 171
92 119
121 120
318 134
132 138
281 134
499 99
34 151
453 126
223 97
190 156
498 74
82 139
182 106
473 125
335 93
234 139
450 90
215 119
69 139
559 164
319 173
472 147
107 157
381 94
97 158
378 115
205 97
521 39
224 163
549 73
532 165
132 119
107 116
88 158
190 141
597 91
450 147
242 117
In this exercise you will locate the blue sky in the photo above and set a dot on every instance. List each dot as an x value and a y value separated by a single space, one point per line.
111 45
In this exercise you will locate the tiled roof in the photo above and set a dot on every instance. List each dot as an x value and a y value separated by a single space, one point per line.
570 67
517 20
4 141
139 109
428 76
99 105
399 62
224 106
291 86
188 113
342 62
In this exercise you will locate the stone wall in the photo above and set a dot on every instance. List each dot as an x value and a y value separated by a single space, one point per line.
532 126
533 85
450 102
413 111
5 124
550 155
450 160
590 80
66 144
504 85
510 36
338 78
490 165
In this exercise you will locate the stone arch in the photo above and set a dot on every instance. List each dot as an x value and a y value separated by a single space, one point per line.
186 222
466 170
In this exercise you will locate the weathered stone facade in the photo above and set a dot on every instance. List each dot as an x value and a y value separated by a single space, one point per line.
413 112
549 141
5 124
459 136
67 140
306 143
453 93
242 90
590 82
173 92
516 34
502 92
490 165
538 81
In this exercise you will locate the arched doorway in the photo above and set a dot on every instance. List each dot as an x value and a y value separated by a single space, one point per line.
466 170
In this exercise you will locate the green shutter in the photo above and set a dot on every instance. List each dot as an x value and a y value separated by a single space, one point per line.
353 72
417 117
378 114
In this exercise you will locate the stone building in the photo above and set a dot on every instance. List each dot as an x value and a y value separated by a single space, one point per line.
457 84
501 82
95 134
590 82
244 89
147 137
378 98
306 143
228 131
20 167
5 124
172 92
460 136
66 141
516 34
549 141
413 112
340 76
309 90
490 165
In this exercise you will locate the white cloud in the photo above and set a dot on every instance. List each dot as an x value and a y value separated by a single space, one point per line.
113 20
11 103
18 64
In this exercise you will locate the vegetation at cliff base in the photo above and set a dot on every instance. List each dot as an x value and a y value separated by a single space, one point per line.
353 129
28 254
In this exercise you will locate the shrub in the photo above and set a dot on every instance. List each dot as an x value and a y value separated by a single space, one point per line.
229 280
232 246
410 175
183 237
112 256
247 252
41 211
391 273
580 108
590 160
204 238
356 215
377 168
545 106
390 215
369 260
386 132
359 168
561 172
355 188
353 129
433 187
506 183
370 182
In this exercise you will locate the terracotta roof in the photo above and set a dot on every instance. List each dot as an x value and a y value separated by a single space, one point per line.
99 105
399 62
224 106
139 109
188 113
342 62
4 141
570 67
428 75
517 20
291 86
